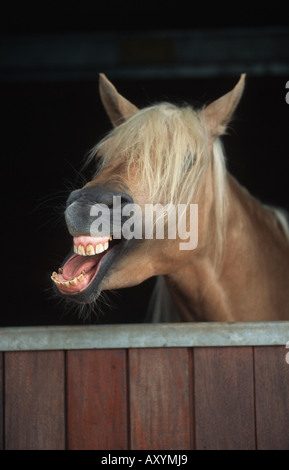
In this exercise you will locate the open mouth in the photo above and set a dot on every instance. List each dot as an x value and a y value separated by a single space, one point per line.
85 267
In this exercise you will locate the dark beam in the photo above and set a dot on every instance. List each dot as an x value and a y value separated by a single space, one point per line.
151 54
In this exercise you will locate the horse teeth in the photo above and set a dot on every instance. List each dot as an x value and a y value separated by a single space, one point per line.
90 250
60 271
99 248
80 250
71 282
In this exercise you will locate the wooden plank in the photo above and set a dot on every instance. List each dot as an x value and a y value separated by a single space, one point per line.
97 399
272 398
34 400
160 398
224 398
1 403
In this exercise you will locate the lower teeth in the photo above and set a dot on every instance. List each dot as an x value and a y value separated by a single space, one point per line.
71 282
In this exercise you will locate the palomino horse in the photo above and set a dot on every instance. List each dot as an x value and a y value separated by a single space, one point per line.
238 267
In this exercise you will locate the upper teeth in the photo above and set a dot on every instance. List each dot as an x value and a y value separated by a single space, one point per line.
90 249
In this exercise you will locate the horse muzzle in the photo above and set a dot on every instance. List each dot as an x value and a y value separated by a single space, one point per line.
96 245
84 205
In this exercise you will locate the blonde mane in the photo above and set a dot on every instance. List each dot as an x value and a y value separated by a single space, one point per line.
169 146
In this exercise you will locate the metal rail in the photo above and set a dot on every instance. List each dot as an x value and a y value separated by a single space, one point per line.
144 336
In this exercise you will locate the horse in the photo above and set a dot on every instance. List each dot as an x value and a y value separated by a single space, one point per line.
237 268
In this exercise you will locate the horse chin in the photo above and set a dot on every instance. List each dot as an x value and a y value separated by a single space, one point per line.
81 276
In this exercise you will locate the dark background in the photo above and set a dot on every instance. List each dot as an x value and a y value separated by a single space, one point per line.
51 120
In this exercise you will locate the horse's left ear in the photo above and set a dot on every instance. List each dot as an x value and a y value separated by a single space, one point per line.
219 113
117 107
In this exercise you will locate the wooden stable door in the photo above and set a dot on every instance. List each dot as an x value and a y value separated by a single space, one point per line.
145 398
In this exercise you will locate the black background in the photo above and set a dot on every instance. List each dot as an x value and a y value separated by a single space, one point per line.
48 127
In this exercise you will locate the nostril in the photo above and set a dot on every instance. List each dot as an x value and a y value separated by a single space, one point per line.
73 196
126 198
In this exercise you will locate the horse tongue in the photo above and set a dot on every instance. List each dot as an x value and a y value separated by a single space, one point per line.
77 264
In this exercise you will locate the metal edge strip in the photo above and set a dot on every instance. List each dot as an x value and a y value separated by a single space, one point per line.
144 336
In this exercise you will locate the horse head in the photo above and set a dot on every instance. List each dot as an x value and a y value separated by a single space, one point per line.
164 156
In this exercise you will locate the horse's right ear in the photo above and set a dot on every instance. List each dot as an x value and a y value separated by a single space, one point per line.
117 107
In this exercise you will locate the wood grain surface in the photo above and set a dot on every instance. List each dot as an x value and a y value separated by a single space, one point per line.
272 398
145 398
224 398
1 401
97 400
34 400
160 398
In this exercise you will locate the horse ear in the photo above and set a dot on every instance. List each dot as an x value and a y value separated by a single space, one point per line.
117 107
219 113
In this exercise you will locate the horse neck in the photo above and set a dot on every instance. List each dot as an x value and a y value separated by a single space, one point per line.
252 283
